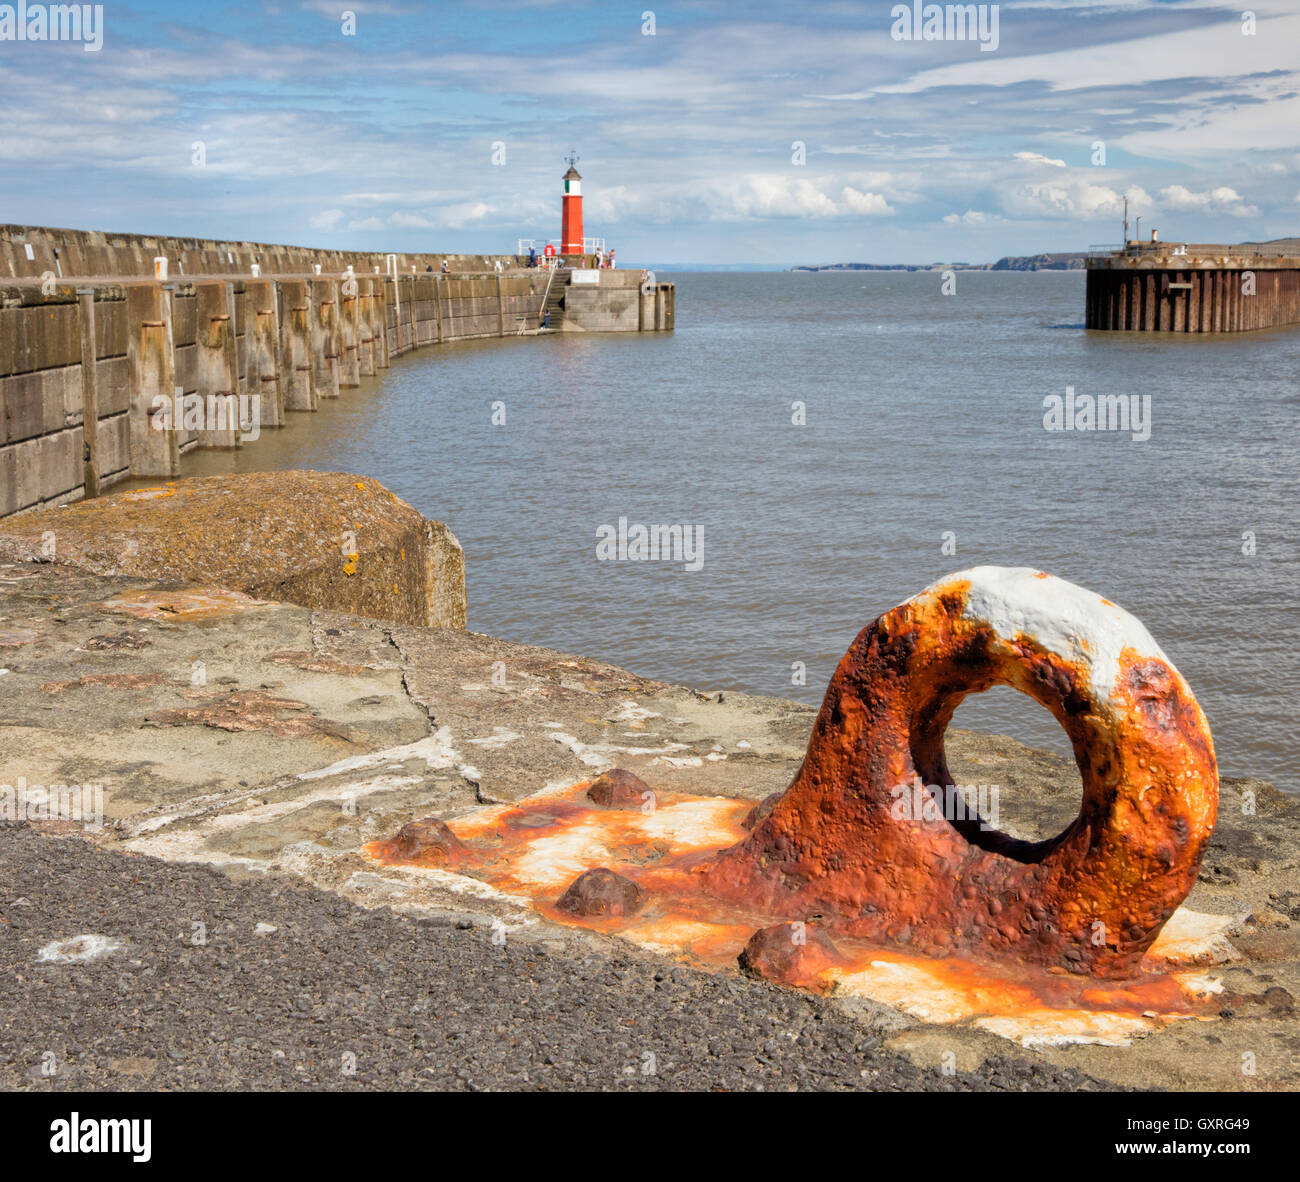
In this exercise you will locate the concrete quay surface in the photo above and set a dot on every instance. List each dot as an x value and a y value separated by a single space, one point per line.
244 798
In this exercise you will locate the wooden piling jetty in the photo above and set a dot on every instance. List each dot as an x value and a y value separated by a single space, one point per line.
1194 288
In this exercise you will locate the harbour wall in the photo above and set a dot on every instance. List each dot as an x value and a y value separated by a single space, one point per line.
117 374
1181 288
27 252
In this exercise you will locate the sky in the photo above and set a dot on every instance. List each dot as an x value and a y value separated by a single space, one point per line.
771 133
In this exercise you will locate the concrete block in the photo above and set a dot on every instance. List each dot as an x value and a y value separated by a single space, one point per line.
9 340
110 328
69 379
341 542
25 458
55 335
114 386
24 407
59 462
114 445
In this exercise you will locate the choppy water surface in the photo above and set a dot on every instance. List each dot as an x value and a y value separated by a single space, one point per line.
924 415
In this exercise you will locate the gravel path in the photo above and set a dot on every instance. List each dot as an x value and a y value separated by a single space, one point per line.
420 1004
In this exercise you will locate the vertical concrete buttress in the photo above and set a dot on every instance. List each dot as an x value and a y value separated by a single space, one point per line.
367 345
300 386
325 337
151 364
217 366
89 392
379 323
350 333
262 319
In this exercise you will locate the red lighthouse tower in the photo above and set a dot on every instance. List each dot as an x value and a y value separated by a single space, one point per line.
571 212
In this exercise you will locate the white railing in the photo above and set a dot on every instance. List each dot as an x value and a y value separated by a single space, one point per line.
589 245
526 244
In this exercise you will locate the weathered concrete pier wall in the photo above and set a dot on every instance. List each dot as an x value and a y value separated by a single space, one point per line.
1176 287
27 252
108 370
617 301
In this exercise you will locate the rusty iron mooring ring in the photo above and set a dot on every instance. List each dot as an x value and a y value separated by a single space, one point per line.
1090 900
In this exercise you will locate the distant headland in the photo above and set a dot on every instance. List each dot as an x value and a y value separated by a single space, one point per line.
1068 261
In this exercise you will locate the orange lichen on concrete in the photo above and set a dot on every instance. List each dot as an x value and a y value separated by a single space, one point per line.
202 603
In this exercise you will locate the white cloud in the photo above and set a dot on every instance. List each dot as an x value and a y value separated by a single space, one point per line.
1071 197
972 217
327 220
780 195
1036 158
456 216
766 195
1216 50
1220 200
868 204
368 225
410 220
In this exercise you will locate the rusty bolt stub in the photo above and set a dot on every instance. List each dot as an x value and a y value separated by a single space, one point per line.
601 893
618 789
789 954
429 841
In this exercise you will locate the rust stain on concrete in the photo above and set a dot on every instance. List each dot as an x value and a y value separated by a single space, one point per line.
251 710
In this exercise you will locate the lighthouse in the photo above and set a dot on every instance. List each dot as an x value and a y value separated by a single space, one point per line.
571 211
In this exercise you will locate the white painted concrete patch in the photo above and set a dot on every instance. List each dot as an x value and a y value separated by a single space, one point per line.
79 949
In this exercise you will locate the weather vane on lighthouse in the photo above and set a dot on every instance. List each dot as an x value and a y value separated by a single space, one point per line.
572 158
